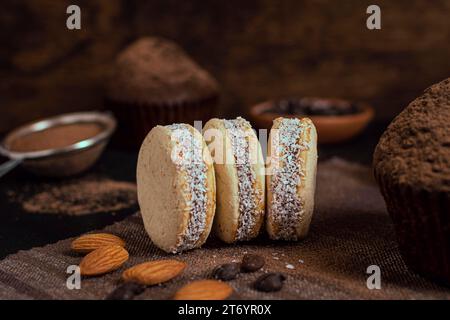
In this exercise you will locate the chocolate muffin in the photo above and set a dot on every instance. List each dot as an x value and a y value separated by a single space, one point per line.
155 82
412 167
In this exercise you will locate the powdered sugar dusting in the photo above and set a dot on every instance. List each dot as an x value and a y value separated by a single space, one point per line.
250 198
190 153
286 208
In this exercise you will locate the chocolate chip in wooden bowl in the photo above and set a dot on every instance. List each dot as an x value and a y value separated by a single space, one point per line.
252 263
314 107
270 282
126 291
226 272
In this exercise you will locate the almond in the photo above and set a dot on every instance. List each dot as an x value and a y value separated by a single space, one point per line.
90 242
154 272
204 290
103 260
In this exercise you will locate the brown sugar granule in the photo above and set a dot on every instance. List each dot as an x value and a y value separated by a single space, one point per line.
87 195
55 137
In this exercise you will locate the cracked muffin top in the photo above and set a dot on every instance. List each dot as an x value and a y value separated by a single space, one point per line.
415 148
155 70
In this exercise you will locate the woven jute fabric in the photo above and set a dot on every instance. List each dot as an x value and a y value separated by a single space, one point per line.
350 231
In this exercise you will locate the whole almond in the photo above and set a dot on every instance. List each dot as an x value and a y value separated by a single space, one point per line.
90 242
204 290
103 260
154 272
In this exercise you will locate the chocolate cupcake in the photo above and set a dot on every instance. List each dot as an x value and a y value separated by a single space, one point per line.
412 167
155 82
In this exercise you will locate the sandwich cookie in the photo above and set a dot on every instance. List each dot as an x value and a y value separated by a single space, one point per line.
176 187
291 178
240 178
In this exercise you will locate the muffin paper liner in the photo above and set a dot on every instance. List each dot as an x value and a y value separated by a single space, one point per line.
136 120
422 224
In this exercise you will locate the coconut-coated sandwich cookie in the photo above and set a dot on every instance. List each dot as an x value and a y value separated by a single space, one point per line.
176 187
291 178
240 178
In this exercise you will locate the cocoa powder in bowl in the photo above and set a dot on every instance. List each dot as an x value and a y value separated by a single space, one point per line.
55 137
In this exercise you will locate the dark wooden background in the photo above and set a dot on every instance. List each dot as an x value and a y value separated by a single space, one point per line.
257 49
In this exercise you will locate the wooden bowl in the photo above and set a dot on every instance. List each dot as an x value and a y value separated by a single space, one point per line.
330 128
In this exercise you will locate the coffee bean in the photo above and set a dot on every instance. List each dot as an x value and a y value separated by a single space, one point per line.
126 291
269 282
252 262
226 272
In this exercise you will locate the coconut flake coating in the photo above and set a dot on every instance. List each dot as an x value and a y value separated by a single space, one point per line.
250 197
287 208
189 151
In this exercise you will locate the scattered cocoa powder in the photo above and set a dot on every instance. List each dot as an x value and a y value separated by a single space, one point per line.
55 137
81 196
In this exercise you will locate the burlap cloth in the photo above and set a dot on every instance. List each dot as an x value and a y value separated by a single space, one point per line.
350 231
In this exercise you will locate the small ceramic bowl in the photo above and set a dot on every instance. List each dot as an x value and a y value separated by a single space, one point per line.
330 128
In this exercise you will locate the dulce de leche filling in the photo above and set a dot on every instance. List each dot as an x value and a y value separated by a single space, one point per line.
250 197
189 152
287 208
